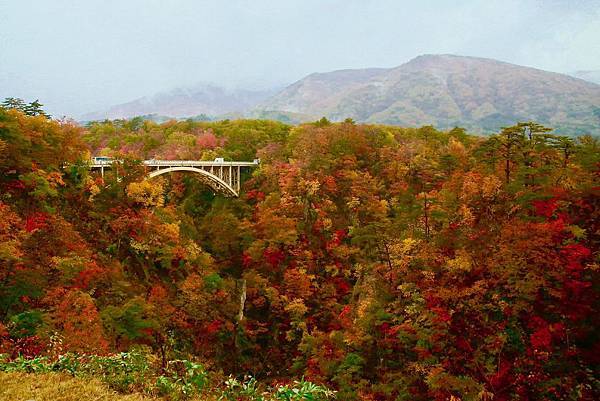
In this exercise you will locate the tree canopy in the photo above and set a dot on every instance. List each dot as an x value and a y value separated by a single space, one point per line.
388 263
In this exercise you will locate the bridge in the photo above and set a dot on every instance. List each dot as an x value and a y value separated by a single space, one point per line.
220 175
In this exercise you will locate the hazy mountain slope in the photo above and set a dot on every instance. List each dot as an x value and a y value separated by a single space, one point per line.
205 99
316 91
445 90
591 76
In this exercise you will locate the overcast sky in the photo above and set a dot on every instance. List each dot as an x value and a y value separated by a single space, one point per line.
78 56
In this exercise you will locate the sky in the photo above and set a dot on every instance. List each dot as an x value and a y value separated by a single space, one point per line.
79 56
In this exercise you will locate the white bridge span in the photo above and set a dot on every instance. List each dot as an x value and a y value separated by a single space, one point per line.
222 176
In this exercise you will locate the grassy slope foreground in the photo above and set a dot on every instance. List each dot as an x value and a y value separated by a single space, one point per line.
57 387
21 386
384 263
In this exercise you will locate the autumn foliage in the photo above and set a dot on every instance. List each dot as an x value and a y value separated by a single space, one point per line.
388 263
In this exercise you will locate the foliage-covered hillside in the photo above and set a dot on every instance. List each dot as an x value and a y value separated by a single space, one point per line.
386 263
446 90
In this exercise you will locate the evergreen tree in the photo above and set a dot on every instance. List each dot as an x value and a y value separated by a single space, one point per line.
31 109
14 103
35 109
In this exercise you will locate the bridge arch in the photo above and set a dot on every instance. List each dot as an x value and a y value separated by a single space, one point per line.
217 184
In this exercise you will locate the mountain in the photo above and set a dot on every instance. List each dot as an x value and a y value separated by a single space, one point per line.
591 76
446 90
208 100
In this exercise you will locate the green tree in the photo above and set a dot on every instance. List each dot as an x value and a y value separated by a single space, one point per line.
14 103
35 109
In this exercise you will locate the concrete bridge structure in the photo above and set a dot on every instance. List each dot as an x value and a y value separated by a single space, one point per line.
222 176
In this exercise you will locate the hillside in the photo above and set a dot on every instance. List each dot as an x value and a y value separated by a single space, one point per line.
185 102
446 90
381 262
479 94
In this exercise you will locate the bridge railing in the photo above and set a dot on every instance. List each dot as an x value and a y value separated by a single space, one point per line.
155 163
182 163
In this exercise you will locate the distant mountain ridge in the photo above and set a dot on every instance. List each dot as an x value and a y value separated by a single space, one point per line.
446 90
208 100
590 75
479 94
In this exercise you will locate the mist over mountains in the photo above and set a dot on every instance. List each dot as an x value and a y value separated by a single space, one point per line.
208 100
591 76
479 94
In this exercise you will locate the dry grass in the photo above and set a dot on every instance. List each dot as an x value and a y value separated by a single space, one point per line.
57 387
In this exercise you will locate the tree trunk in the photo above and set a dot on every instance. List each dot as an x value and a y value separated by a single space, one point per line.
425 207
240 316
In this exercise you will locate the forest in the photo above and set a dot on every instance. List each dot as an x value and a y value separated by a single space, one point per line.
360 262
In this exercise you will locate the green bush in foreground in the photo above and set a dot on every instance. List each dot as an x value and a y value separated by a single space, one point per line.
181 379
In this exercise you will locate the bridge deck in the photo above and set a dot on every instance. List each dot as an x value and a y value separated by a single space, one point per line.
180 163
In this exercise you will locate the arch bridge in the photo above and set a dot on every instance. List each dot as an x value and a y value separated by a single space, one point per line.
220 175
